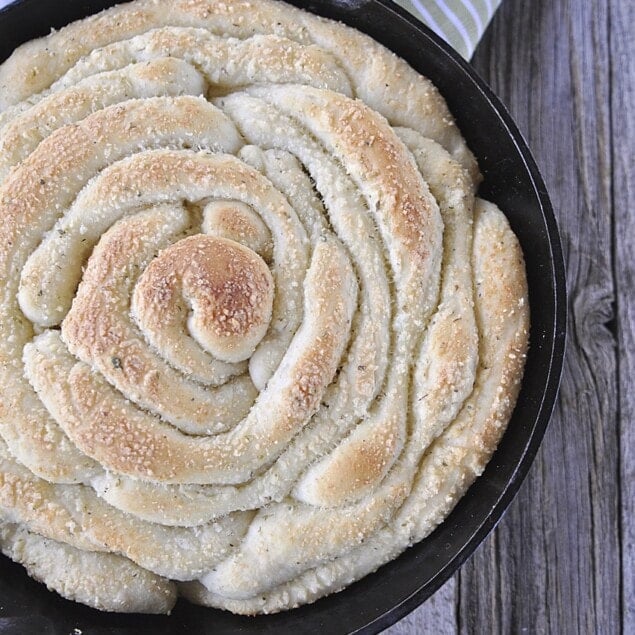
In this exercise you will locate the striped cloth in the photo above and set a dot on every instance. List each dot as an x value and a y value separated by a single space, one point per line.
461 23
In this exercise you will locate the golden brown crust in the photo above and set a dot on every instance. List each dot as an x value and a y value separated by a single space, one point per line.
386 84
257 335
238 222
228 286
122 438
163 76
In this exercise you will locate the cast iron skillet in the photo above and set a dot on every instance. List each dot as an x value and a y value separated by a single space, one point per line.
513 182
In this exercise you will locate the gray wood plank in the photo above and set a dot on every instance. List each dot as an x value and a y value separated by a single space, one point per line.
622 19
553 565
437 616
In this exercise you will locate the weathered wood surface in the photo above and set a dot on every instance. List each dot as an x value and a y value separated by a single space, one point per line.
563 558
622 106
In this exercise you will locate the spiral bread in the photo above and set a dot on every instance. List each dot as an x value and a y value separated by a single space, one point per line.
258 336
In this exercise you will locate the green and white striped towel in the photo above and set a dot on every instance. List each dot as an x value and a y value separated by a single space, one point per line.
461 23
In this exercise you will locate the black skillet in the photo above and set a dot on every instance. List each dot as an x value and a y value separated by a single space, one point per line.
513 182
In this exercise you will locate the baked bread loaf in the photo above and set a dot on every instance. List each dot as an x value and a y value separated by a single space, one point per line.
257 336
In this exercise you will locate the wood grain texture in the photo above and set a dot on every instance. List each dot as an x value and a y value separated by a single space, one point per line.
622 105
563 558
437 615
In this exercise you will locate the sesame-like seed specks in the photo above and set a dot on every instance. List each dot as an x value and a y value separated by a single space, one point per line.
258 334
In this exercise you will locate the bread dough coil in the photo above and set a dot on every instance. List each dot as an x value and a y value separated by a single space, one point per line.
258 336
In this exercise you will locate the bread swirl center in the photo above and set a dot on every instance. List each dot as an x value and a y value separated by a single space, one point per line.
226 286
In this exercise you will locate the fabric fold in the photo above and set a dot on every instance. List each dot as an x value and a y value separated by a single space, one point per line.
461 23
